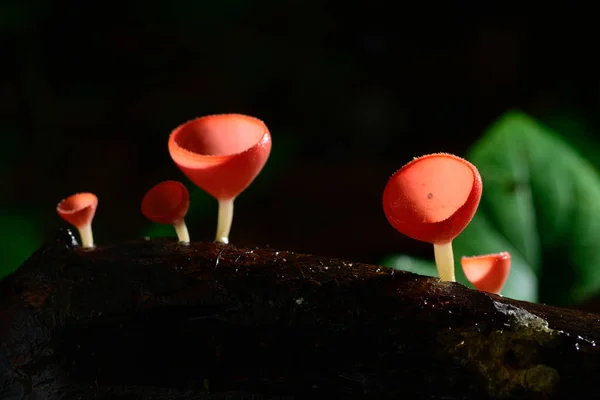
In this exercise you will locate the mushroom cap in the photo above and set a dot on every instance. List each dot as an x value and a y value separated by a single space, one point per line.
166 203
433 198
78 209
221 154
487 273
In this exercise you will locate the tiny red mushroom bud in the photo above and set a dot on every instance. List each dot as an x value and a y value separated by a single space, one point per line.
432 199
222 154
79 210
487 273
167 203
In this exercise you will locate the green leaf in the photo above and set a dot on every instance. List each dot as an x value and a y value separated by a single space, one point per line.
21 237
160 231
411 264
577 132
542 198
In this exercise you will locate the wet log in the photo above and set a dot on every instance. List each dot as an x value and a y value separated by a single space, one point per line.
154 319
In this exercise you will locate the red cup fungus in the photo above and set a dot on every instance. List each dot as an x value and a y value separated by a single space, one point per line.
79 210
487 273
432 199
167 203
222 154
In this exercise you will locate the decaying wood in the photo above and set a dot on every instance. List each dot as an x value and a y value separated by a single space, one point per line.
158 320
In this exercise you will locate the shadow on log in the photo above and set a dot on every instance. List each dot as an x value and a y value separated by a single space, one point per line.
158 320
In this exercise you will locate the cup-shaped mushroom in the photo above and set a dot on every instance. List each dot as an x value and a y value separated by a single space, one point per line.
222 154
432 199
167 203
79 210
487 273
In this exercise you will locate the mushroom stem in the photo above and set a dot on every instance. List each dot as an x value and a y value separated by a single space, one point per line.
87 239
224 221
182 231
444 260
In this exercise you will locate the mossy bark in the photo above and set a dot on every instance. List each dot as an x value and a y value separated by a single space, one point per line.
159 320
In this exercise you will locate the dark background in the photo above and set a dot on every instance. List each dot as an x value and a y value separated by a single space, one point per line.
89 95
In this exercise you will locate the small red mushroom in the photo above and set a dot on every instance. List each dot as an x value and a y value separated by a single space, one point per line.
487 273
167 203
79 210
221 154
432 199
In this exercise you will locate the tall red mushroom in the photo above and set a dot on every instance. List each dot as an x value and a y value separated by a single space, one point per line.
222 154
432 199
167 203
79 210
487 273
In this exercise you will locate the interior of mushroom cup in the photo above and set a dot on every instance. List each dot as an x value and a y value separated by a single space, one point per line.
434 189
77 202
220 135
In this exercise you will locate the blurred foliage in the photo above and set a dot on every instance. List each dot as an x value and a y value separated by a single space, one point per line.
577 131
540 203
25 237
